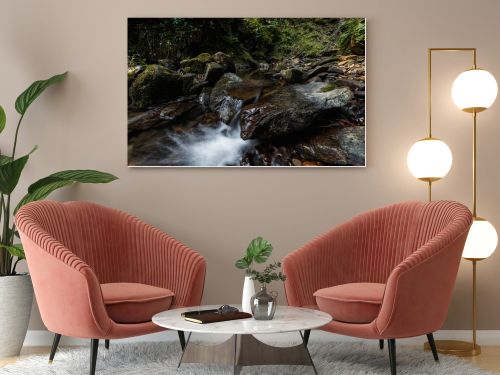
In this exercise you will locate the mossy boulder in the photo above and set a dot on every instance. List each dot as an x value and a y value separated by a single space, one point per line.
155 84
133 72
187 82
293 75
196 64
213 72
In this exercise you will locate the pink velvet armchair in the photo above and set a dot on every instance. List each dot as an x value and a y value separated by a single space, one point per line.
99 273
385 274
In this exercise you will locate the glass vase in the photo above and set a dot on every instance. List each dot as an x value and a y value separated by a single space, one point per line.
263 304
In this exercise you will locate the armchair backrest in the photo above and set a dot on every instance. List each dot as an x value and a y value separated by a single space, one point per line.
386 236
92 232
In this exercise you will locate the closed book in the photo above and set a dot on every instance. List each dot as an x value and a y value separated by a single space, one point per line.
210 317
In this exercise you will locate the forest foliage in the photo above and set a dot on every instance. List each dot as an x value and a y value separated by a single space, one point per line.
244 39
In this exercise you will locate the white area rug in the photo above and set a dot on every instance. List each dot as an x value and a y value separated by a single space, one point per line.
161 358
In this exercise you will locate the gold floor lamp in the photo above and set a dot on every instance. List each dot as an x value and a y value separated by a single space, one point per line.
430 159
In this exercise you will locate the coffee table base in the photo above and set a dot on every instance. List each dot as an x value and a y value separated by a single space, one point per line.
246 350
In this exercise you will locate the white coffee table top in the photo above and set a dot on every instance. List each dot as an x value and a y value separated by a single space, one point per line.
286 319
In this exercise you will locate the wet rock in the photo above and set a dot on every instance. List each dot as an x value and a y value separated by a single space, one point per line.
198 86
225 61
213 72
289 109
187 81
231 92
325 61
168 63
196 64
314 79
204 98
144 121
293 75
317 70
155 84
220 100
340 146
336 70
160 117
180 111
352 83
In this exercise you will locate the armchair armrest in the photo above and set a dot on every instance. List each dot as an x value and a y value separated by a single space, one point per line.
165 262
323 262
419 289
68 292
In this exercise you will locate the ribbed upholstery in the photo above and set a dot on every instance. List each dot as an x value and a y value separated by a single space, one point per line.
389 245
82 245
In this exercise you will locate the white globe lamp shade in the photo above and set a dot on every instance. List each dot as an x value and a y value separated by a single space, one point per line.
481 241
474 90
429 159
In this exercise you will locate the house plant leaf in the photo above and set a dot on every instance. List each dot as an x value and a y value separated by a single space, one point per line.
10 172
43 187
36 88
15 250
3 119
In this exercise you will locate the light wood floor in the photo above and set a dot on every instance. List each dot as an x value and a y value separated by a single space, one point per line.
488 360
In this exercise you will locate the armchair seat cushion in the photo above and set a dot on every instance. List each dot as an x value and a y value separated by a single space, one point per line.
135 303
351 303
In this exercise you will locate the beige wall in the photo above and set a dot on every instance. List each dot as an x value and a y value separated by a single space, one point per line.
82 124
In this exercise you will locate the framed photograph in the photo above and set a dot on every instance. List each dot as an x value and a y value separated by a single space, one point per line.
246 92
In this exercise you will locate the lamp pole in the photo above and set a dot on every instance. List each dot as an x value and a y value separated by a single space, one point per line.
454 347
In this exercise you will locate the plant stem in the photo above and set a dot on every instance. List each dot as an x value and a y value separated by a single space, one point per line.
13 271
15 137
6 235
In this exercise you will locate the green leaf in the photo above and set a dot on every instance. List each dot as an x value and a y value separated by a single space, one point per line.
31 93
3 119
242 263
43 187
86 176
259 250
15 250
10 172
4 159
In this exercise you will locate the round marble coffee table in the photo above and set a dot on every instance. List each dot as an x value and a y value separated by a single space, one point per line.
242 348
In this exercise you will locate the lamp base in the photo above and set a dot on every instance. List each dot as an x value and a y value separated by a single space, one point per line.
456 348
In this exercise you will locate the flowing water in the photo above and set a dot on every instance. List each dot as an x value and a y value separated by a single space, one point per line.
208 145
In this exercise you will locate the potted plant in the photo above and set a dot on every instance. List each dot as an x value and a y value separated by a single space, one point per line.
16 291
258 251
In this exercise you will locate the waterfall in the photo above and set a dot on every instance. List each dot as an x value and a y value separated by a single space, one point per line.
209 145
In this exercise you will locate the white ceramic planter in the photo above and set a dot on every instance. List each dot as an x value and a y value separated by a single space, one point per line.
248 292
16 298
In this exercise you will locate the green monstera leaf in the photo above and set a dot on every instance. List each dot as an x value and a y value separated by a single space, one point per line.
258 250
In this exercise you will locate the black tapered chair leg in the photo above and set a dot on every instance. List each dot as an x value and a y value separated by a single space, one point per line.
381 344
432 344
182 339
94 346
55 344
307 333
106 344
392 355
